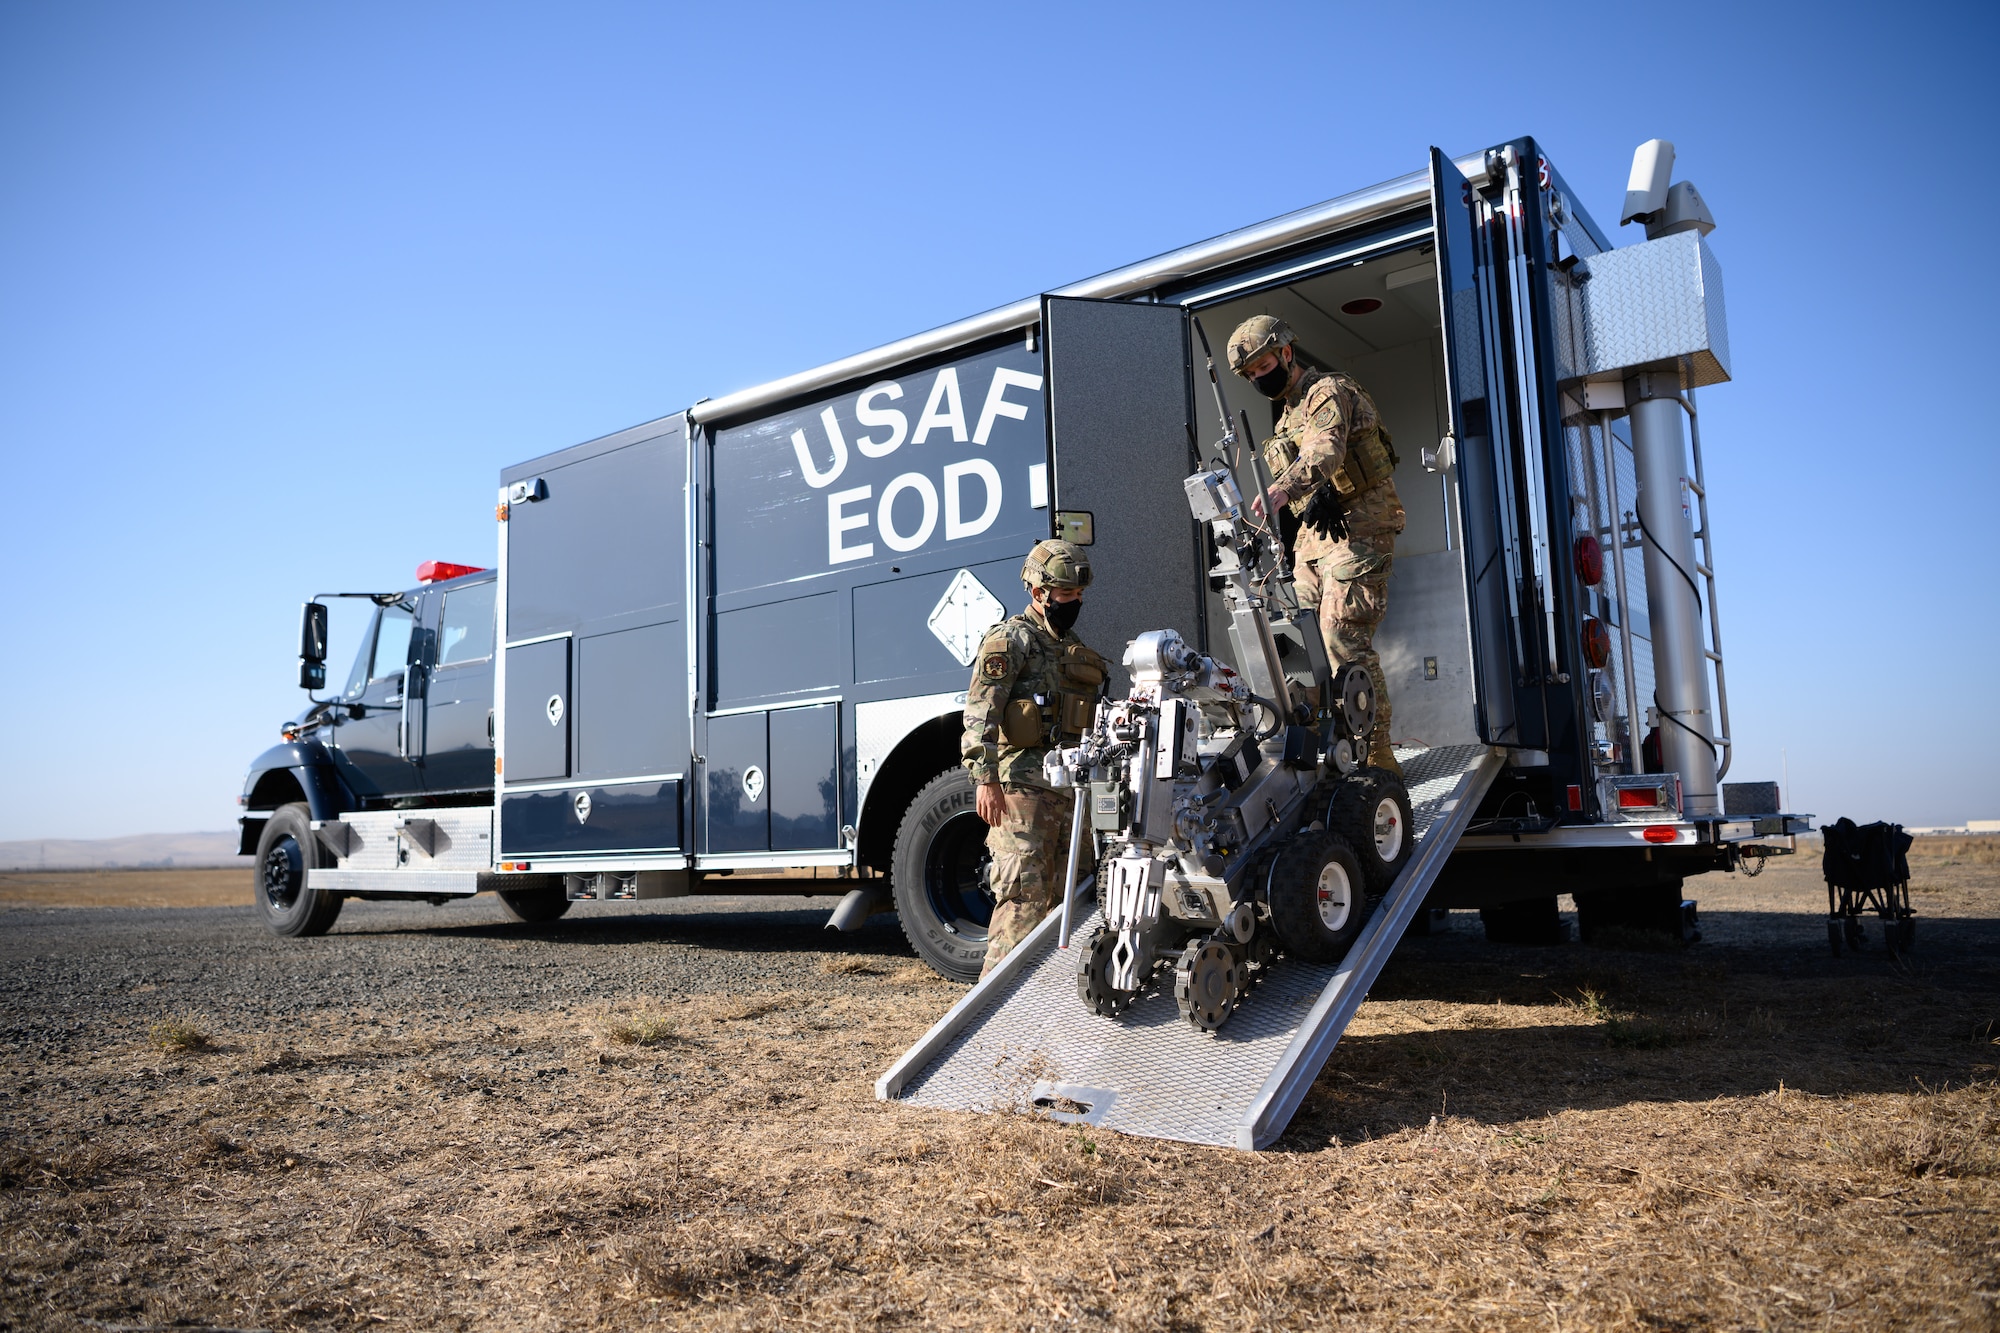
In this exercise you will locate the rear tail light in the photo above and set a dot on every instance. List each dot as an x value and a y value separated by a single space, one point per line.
1641 798
1596 643
1589 561
1659 833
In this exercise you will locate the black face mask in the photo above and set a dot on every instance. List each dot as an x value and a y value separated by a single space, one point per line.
1062 615
1273 382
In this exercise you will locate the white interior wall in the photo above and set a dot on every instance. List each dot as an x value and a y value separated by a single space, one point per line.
1396 353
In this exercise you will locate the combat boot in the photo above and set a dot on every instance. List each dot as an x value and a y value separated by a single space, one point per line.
1381 756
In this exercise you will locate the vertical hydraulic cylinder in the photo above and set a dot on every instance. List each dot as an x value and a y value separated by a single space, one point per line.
1673 597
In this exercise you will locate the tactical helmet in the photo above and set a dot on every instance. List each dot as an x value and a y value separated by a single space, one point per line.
1254 337
1055 564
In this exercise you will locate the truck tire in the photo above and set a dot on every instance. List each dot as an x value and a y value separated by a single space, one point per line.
536 906
285 851
938 873
1371 810
1317 895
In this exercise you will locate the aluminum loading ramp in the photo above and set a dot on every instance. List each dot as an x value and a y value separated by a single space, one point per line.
1021 1040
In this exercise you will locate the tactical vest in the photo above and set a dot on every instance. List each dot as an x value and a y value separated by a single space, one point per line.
1059 715
1371 460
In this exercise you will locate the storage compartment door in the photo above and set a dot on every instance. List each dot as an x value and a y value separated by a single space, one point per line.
538 712
737 804
805 786
1122 442
1479 469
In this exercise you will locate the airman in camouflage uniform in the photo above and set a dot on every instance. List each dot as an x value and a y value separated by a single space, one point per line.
1033 684
1329 436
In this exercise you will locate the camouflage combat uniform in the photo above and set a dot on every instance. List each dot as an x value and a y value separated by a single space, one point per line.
1018 660
1328 418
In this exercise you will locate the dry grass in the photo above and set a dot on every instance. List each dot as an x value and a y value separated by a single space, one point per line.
1745 1135
180 1034
646 1029
223 887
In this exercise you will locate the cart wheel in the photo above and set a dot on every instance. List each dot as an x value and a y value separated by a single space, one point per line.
1833 933
1856 936
1900 935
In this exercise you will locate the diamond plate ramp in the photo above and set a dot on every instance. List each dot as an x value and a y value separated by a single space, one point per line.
1021 1039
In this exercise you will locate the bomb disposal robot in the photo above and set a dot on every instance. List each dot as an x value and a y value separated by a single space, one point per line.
1235 831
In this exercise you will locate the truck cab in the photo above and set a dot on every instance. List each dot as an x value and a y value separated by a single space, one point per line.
410 727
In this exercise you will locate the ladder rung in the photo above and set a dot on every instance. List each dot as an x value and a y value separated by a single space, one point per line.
1695 486
1712 655
1704 570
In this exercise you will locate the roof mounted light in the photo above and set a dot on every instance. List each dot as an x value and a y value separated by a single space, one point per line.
437 571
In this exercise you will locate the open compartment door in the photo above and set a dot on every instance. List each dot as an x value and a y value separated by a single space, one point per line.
1478 463
1121 443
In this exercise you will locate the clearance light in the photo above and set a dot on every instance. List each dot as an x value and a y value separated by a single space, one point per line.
1361 305
1641 798
513 867
1659 833
1596 643
437 571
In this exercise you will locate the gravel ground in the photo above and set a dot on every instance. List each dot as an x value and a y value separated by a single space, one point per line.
63 970
661 1115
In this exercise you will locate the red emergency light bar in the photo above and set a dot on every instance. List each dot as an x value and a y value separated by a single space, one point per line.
437 571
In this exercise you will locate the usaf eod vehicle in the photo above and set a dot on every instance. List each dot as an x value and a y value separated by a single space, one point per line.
736 639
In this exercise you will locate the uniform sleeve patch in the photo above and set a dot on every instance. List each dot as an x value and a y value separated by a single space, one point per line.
994 666
1326 415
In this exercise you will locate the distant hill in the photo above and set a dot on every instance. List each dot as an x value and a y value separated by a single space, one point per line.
139 851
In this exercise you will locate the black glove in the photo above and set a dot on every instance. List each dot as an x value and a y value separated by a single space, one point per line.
1324 515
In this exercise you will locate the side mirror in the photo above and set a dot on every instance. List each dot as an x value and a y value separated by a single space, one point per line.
312 646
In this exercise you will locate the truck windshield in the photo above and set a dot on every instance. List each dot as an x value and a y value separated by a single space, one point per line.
392 643
385 649
357 679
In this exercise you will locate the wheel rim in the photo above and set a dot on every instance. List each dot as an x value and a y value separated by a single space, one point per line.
955 870
284 874
1388 829
1335 896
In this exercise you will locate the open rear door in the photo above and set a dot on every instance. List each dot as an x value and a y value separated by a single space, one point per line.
1122 442
1479 466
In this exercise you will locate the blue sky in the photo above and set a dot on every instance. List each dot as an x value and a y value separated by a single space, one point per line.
282 287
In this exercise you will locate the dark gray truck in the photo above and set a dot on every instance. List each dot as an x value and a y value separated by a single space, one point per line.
735 639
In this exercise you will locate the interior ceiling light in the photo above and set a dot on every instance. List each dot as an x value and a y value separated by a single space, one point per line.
1361 305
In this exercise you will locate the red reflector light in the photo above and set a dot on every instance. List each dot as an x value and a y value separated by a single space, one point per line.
1589 561
1575 797
437 571
1596 643
1659 833
1639 798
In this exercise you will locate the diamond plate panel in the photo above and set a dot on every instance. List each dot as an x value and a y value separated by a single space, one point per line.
1146 1072
1649 305
880 726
